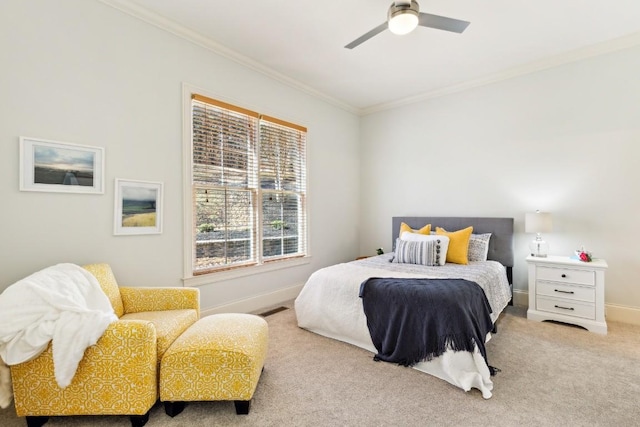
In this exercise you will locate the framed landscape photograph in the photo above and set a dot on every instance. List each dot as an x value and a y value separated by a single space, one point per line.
60 167
138 207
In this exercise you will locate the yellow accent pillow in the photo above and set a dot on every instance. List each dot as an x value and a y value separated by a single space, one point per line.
424 230
458 244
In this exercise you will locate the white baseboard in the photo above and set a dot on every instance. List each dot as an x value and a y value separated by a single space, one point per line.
622 313
255 303
520 298
613 312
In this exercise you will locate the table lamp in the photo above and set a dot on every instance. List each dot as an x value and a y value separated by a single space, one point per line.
538 222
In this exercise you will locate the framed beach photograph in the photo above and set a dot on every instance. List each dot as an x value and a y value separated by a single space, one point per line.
60 167
138 207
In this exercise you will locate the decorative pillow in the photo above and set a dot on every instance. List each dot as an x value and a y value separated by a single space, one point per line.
443 241
479 247
423 252
424 230
458 250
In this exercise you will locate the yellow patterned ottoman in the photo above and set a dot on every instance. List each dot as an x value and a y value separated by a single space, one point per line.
220 357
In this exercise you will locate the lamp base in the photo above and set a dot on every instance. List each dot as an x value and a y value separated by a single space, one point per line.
539 248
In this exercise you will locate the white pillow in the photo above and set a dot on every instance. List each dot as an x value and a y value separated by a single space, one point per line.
479 247
434 249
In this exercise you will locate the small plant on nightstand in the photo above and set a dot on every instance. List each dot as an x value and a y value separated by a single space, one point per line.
584 255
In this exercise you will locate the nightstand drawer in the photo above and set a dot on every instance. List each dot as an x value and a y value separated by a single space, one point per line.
558 290
568 308
566 275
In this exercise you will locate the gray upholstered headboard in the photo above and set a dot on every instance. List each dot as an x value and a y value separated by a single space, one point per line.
501 229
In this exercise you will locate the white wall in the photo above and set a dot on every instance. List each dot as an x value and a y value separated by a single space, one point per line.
563 140
80 71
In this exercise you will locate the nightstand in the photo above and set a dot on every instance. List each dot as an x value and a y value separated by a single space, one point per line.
567 290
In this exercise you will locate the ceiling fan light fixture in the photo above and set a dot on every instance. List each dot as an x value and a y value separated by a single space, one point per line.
403 23
403 18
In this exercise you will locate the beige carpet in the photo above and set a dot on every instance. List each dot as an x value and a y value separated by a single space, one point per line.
552 375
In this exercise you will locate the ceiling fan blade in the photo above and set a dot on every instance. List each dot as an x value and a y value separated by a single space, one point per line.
442 23
377 30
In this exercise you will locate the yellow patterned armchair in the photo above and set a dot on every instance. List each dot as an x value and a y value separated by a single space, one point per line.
118 375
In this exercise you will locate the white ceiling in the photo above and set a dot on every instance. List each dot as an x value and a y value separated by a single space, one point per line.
302 42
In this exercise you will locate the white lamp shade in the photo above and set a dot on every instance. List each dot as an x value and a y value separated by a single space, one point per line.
538 222
403 23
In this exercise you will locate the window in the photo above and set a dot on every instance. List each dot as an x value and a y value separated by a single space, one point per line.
248 183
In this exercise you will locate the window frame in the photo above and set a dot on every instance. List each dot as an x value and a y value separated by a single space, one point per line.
232 271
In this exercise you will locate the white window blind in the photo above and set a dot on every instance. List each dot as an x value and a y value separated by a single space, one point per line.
283 184
249 187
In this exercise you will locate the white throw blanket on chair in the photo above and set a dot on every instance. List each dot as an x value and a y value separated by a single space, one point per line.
63 304
5 385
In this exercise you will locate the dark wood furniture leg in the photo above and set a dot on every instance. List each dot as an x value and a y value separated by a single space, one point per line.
242 406
36 421
174 408
139 420
510 279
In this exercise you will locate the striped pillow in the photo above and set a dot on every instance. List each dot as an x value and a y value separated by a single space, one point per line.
423 252
443 241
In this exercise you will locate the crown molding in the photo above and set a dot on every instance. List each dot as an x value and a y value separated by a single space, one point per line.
172 27
614 45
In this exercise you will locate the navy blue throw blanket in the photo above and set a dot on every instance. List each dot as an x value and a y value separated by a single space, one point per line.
413 320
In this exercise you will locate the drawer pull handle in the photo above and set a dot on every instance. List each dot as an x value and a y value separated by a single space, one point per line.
563 276
564 308
564 292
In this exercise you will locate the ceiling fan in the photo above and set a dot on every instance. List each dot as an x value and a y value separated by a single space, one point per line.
404 16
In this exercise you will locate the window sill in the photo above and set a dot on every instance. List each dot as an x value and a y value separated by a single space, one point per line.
220 276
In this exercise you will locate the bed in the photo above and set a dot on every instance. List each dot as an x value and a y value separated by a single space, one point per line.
330 304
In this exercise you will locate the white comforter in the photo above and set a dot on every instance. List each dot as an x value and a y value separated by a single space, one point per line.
329 305
63 304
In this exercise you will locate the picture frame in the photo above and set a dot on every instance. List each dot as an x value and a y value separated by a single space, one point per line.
138 207
62 167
